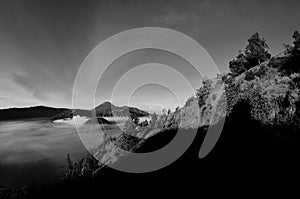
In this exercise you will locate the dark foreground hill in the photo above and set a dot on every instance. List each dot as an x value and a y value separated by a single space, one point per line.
248 159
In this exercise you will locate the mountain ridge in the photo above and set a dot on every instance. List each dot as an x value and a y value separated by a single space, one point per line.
105 109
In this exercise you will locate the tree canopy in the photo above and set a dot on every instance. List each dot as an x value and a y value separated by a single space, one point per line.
255 53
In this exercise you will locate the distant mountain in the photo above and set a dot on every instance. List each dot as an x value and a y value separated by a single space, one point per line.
107 109
69 113
29 113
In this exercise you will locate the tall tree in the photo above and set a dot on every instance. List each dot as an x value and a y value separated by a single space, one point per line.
290 63
256 51
238 65
153 119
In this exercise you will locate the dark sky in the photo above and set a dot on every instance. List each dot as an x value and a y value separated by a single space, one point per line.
43 43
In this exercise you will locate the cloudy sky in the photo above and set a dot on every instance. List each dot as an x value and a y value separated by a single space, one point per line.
43 43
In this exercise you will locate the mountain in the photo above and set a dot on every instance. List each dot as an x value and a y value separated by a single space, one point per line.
259 142
69 113
261 110
29 113
107 109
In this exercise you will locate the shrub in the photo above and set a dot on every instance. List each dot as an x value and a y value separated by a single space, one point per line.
254 54
249 76
189 101
203 92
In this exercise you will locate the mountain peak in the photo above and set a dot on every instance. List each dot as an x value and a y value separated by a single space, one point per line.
108 109
106 105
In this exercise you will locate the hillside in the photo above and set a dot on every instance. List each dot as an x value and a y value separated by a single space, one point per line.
261 108
259 100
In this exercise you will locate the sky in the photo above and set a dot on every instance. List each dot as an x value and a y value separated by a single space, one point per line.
44 43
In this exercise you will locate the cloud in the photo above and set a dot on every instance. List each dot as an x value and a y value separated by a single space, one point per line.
19 88
11 92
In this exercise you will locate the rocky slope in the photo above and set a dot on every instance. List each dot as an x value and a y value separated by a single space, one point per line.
271 98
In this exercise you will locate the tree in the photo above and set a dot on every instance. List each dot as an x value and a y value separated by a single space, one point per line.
189 100
153 119
238 65
296 42
169 111
136 120
203 92
70 167
290 63
256 51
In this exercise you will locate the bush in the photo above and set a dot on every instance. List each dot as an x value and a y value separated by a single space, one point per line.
189 101
262 71
249 76
254 54
203 92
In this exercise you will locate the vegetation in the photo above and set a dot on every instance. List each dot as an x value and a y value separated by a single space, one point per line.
203 92
255 53
262 97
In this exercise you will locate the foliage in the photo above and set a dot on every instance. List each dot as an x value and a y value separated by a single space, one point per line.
129 126
254 54
169 111
153 119
249 75
238 65
144 123
203 92
84 167
292 58
136 120
189 100
256 50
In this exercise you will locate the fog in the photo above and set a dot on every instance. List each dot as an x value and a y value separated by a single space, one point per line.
36 150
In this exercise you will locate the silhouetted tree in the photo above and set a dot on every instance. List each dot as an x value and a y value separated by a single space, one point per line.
255 53
238 65
136 120
153 119
189 100
69 169
290 63
203 92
